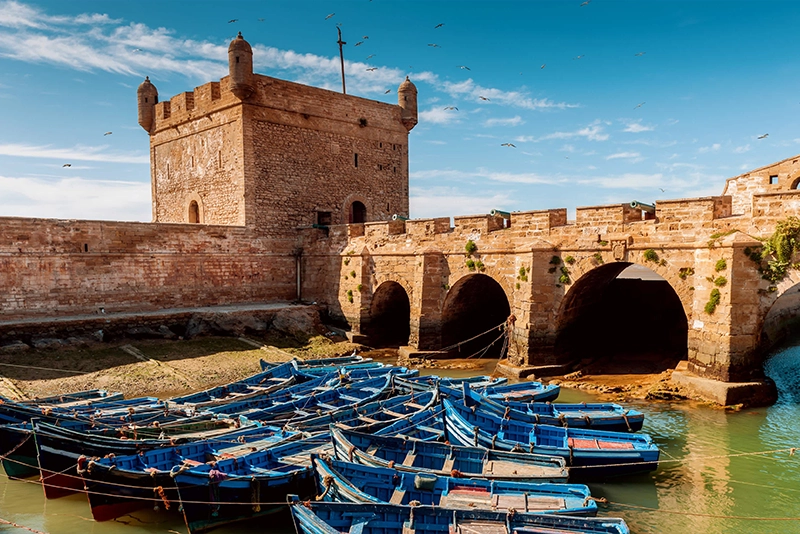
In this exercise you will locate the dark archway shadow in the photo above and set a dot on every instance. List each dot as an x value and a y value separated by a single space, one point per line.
474 305
622 322
389 317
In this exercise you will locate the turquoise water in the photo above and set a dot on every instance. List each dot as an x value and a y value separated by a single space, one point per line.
714 485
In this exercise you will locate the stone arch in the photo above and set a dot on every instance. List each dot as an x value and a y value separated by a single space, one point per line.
355 199
639 324
473 305
780 319
795 183
194 209
389 321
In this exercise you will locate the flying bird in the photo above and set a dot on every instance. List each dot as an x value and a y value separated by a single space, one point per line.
640 53
438 25
365 37
660 189
370 56
260 20
511 145
232 21
763 136
329 16
359 43
108 133
370 69
640 104
136 50
434 45
483 98
450 108
578 57
464 67
386 92
586 3
67 165
543 66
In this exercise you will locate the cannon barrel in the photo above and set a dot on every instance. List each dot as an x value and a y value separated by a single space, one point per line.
397 217
498 213
649 208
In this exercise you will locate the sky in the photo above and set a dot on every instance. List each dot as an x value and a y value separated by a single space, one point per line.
523 105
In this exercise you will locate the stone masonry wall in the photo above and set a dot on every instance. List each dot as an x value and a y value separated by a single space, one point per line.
68 267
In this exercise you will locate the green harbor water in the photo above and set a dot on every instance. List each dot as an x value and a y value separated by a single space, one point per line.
713 479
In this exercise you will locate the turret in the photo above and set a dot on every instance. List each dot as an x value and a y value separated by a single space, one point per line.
407 100
240 65
147 95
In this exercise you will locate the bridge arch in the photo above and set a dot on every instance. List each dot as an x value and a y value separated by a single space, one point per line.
781 317
625 318
474 304
388 323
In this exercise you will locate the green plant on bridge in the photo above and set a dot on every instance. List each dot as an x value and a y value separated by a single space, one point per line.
350 295
720 281
569 260
721 265
713 301
779 249
346 261
650 255
555 260
598 258
685 272
471 264
523 274
564 278
480 266
719 235
470 247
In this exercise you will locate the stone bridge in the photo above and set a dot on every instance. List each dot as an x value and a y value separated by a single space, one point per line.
694 295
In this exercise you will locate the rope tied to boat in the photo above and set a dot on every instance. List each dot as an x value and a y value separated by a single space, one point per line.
588 421
625 418
327 481
350 452
159 490
507 413
455 473
600 500
475 434
181 469
494 439
81 463
414 503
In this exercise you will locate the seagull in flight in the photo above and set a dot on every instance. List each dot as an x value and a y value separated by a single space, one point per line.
365 37
763 136
359 43
464 67
67 165
586 3
660 189
543 66
370 56
136 50
510 145
451 107
640 53
578 57
386 92
438 25
260 20
640 104
434 45
232 21
108 133
329 16
370 69
483 98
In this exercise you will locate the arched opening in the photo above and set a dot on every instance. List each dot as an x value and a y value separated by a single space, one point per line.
358 212
796 183
622 318
389 322
782 321
475 304
194 212
779 346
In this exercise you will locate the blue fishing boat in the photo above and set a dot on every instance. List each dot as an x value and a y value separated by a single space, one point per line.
247 486
321 362
598 416
529 391
262 383
117 485
333 367
334 518
76 398
340 481
589 453
444 459
478 381
370 416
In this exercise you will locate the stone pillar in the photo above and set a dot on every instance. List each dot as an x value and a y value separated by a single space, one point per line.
430 279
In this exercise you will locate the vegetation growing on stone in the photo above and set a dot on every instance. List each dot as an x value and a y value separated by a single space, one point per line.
713 301
350 295
719 235
523 274
779 249
353 274
564 278
471 264
650 255
602 243
555 260
721 265
598 258
685 272
720 281
569 260
346 261
470 247
480 266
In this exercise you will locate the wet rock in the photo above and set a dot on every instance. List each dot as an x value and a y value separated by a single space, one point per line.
299 323
573 376
166 333
223 323
47 343
13 348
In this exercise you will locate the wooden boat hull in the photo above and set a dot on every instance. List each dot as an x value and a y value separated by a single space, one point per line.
328 518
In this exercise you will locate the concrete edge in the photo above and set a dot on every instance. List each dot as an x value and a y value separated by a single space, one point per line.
760 393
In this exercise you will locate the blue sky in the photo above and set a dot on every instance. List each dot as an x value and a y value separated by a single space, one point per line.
605 102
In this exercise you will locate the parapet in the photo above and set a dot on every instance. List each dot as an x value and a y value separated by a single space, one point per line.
428 227
539 220
604 215
694 210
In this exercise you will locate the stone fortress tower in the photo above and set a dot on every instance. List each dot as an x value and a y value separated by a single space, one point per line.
272 155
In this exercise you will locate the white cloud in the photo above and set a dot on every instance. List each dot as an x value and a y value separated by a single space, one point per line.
445 201
713 148
638 127
482 174
627 181
71 198
592 132
67 155
512 121
742 149
468 88
624 155
438 116
436 142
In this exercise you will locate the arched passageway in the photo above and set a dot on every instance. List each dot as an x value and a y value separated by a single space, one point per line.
358 212
475 304
623 318
782 321
389 316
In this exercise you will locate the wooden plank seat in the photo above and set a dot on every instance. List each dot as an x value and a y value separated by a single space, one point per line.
501 468
614 444
577 443
348 398
415 405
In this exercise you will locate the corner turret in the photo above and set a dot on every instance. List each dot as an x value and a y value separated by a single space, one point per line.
147 95
407 100
240 66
